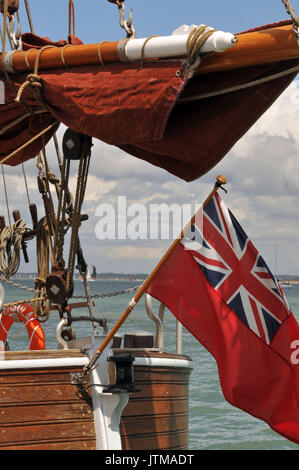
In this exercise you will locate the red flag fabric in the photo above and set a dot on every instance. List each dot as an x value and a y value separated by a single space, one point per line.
219 287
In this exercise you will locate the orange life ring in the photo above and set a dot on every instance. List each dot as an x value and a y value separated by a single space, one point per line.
25 314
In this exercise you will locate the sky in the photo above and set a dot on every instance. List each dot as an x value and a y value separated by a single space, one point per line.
262 168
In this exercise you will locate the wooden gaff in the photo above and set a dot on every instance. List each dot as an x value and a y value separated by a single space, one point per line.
253 48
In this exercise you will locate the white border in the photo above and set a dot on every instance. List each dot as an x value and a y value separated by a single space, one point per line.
82 361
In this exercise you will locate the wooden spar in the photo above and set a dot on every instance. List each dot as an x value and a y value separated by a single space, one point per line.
253 48
57 57
220 181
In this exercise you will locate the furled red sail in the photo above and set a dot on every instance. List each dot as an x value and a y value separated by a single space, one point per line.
138 110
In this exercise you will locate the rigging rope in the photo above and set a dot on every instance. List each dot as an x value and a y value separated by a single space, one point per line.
41 308
79 197
29 15
291 12
71 18
243 86
6 197
37 136
7 16
26 184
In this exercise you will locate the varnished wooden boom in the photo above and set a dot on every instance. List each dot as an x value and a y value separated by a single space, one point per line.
252 48
255 48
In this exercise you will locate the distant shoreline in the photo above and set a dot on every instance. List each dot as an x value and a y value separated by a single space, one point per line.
140 277
137 277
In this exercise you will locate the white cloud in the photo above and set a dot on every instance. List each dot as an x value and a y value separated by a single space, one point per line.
96 187
133 252
263 188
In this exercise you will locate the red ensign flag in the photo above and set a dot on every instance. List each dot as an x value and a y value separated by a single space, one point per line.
219 287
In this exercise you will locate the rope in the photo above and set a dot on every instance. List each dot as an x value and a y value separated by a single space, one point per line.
20 302
43 247
79 197
11 239
259 81
291 12
47 197
143 48
20 119
100 54
62 55
3 39
196 39
33 80
71 18
26 184
61 211
4 32
6 197
37 136
29 15
5 16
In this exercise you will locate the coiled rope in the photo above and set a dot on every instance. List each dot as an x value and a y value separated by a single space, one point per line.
10 248
196 39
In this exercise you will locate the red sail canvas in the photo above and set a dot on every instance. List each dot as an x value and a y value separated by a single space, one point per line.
219 287
138 109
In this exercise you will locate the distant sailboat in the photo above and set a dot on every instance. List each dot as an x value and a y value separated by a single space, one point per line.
91 273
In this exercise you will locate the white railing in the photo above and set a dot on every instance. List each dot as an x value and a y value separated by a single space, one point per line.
158 320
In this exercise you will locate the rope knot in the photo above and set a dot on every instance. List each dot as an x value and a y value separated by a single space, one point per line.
196 39
39 283
33 80
53 178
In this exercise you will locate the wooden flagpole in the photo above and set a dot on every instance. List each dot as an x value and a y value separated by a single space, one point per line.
221 180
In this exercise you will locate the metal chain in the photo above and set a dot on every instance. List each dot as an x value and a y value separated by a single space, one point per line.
127 25
95 296
15 284
109 294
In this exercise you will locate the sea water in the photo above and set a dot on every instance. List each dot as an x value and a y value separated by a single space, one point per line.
213 423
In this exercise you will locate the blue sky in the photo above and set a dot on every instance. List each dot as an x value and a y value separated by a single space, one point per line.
262 167
97 20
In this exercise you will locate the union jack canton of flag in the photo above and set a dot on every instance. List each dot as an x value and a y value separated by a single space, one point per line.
236 270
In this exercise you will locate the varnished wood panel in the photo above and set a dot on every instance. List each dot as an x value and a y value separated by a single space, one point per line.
48 412
156 417
46 354
47 432
143 406
43 410
171 441
155 424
